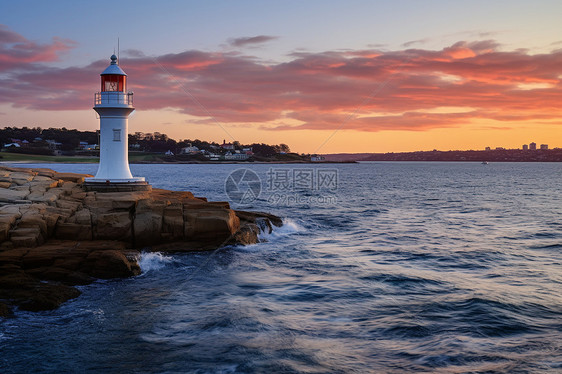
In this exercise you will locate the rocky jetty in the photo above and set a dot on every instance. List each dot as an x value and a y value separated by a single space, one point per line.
55 234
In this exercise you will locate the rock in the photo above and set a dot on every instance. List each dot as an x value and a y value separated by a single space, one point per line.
38 258
109 264
148 228
13 256
73 231
71 206
21 240
5 310
51 219
248 234
83 217
16 280
54 234
11 209
62 275
9 195
4 230
21 178
47 296
216 223
172 224
69 187
6 223
78 278
113 226
42 185
70 263
122 200
33 220
254 217
45 172
71 177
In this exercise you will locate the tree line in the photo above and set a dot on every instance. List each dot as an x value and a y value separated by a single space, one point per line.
155 142
158 142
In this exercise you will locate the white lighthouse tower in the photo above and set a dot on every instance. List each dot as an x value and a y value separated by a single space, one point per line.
114 104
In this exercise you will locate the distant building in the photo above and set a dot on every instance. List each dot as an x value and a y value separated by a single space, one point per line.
213 157
190 149
236 156
488 149
226 145
53 145
87 147
169 153
525 147
533 146
544 146
317 158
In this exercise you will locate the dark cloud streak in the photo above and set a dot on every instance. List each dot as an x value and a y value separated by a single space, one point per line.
251 40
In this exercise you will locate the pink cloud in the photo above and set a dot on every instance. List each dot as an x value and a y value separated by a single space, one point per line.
398 89
16 50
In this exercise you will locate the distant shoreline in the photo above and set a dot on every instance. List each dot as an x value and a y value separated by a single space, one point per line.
24 162
178 162
496 155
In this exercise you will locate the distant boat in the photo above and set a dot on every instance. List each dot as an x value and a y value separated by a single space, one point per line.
484 162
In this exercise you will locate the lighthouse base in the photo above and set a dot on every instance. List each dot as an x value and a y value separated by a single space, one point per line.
116 185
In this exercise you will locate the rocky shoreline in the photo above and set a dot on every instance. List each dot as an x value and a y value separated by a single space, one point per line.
55 235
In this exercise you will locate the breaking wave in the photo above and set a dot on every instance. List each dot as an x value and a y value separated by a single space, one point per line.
153 261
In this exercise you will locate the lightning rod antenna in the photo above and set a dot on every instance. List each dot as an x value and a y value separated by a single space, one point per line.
118 51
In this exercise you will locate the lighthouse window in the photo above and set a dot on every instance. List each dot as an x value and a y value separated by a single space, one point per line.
113 83
116 135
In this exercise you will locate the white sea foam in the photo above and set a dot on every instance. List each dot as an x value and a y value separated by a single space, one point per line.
289 227
153 261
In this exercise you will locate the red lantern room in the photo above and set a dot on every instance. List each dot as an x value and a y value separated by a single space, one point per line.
113 79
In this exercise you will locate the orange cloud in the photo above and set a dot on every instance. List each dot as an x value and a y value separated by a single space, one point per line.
16 50
364 90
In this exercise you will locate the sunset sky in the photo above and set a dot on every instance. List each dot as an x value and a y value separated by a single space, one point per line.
320 76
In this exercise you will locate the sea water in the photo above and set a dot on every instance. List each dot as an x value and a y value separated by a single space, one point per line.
395 267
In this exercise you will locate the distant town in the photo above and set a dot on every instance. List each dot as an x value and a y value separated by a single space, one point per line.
527 153
143 147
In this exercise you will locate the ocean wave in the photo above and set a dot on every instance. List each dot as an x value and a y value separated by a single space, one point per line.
290 227
400 280
153 261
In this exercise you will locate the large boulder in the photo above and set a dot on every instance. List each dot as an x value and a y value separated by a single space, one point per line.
11 195
47 296
110 264
74 231
148 220
113 226
214 223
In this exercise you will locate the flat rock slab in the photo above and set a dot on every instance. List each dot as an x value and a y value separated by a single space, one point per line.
54 234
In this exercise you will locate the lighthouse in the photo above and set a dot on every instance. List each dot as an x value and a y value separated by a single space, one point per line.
113 104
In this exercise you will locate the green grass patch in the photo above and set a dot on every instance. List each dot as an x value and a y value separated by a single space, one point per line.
19 157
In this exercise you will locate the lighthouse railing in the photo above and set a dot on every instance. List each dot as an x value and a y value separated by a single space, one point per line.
109 97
